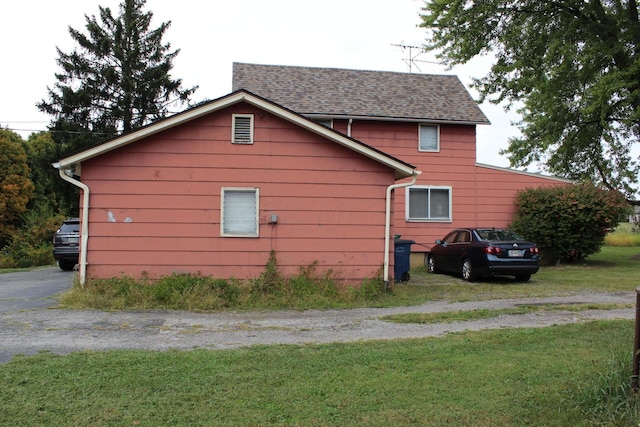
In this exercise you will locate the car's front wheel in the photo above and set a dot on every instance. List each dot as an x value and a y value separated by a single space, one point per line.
523 277
431 264
468 272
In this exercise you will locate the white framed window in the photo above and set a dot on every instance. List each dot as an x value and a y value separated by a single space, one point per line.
427 203
242 128
239 212
429 138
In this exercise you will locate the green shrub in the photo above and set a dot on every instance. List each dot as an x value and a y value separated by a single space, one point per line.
31 245
568 223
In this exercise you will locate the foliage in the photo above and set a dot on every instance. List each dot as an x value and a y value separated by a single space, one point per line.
31 244
514 377
51 193
625 234
569 222
607 397
572 64
117 79
613 269
15 186
309 288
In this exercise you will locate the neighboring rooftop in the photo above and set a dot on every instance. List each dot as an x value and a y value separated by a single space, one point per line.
335 92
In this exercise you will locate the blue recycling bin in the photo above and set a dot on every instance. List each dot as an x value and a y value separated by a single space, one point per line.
402 259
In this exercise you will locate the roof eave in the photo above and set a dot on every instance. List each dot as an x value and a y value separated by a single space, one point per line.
402 169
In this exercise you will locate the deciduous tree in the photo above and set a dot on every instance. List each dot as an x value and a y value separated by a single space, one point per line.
15 186
572 65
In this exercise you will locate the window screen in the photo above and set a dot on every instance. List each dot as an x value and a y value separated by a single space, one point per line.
429 138
240 212
429 203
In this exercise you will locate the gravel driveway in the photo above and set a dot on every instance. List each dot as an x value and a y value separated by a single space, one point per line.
36 329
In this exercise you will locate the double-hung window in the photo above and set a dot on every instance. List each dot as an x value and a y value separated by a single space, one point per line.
429 137
427 203
239 212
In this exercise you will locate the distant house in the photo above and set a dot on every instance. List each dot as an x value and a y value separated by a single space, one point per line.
428 120
218 187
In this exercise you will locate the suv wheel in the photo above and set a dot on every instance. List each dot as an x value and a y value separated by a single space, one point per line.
66 265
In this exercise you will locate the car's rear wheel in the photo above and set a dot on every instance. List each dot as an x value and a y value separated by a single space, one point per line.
431 264
468 272
523 277
66 265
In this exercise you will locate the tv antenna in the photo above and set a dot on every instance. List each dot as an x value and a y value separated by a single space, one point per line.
412 59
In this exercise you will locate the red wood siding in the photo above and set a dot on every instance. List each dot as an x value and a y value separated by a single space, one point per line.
164 195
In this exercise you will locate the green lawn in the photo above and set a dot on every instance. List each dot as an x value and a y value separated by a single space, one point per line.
574 375
612 269
494 378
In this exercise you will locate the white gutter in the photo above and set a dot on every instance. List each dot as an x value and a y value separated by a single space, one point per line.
84 232
387 224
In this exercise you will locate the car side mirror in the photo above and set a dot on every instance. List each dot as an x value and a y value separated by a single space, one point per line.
438 242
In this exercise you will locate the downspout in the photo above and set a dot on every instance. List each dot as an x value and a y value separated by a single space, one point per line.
349 127
387 224
84 233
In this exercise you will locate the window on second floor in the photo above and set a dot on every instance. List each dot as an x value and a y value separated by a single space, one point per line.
429 138
424 203
242 128
239 212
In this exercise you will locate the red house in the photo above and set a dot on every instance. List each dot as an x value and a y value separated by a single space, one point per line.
218 187
428 120
317 164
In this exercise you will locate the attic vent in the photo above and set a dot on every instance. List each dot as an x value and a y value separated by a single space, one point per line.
242 129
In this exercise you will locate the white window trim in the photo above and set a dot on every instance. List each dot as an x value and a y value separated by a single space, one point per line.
234 124
428 187
255 190
437 149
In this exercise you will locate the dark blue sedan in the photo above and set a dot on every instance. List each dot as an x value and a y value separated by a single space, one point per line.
484 252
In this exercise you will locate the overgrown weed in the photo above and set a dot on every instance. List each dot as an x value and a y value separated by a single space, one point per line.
309 288
607 397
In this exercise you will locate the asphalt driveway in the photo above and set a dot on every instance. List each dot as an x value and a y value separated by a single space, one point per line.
36 288
30 322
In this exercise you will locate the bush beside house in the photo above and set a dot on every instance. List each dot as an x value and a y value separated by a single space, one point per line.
568 223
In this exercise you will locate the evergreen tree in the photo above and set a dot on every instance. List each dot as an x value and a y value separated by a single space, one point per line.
117 79
575 67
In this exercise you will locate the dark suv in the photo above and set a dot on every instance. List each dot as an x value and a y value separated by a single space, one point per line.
66 244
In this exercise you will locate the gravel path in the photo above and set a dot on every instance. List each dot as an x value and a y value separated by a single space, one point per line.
63 331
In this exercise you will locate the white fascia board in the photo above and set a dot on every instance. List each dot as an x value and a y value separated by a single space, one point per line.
402 170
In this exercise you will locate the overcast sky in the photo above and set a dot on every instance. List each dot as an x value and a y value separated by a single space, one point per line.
211 35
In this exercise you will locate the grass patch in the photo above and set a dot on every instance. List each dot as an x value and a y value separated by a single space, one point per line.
195 292
613 269
549 376
623 235
470 315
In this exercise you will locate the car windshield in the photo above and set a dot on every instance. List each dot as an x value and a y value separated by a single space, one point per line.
497 235
72 227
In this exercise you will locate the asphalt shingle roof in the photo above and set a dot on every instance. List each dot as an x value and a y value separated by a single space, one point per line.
335 92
